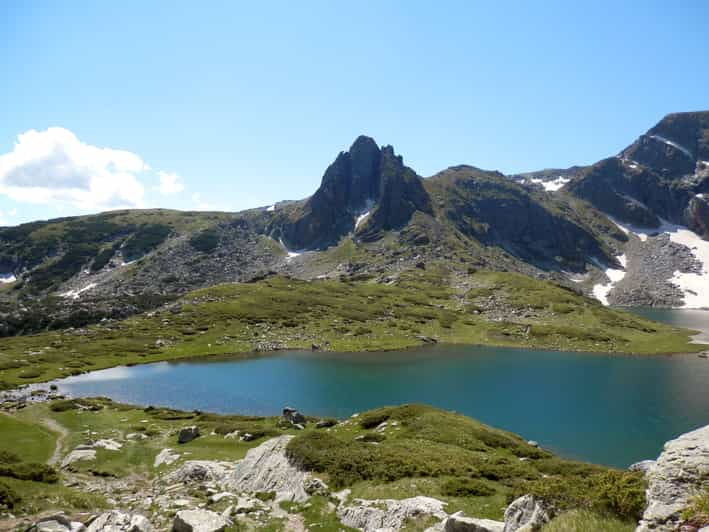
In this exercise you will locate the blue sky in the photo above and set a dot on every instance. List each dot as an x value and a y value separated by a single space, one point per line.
235 105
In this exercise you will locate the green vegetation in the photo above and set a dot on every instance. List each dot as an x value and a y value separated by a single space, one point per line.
586 521
205 241
28 441
471 466
503 309
698 511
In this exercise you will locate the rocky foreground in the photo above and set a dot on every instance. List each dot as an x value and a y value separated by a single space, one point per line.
395 468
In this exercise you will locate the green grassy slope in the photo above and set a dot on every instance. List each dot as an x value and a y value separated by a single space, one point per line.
491 308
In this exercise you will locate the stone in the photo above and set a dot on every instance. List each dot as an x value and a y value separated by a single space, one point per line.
166 456
680 472
220 496
325 423
118 521
198 471
232 435
136 436
199 521
247 505
643 466
389 513
533 443
57 523
526 514
109 445
247 436
316 486
187 434
79 454
267 468
459 523
293 416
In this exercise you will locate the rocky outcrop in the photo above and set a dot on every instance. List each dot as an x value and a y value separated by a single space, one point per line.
199 521
680 473
117 521
388 514
199 471
167 457
80 453
526 514
362 179
267 468
459 523
56 523
291 415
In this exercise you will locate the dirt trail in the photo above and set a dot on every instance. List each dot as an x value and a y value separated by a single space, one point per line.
62 434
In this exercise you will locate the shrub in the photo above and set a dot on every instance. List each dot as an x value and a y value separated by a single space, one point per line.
466 487
373 437
205 241
8 496
373 419
30 471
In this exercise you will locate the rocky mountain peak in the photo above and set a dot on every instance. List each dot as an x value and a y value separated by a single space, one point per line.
365 179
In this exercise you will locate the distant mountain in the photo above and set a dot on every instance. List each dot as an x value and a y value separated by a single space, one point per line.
605 230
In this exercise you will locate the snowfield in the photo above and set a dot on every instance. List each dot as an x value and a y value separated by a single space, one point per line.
75 294
601 291
551 186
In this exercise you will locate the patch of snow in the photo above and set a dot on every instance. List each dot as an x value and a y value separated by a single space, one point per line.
673 144
601 291
290 254
361 218
631 164
75 294
7 278
553 185
694 285
272 208
642 234
124 263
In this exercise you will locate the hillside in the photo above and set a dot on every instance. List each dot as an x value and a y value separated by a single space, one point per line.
626 230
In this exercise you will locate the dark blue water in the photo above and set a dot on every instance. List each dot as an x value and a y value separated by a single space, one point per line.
607 409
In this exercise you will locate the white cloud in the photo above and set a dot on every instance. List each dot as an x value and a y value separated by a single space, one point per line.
170 183
200 204
12 212
54 166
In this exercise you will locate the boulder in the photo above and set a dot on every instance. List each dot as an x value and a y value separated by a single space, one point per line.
56 523
526 514
187 434
389 513
197 471
267 468
681 471
81 453
293 416
199 521
109 445
459 523
166 456
117 521
643 466
315 486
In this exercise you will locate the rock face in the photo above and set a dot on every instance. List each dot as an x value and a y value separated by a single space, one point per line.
187 434
643 466
459 523
358 180
117 521
681 471
388 514
267 468
526 514
199 521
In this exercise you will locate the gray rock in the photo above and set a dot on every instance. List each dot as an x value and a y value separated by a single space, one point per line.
199 521
533 443
117 521
293 416
81 453
643 466
526 514
389 514
459 523
198 471
57 523
187 434
681 471
315 486
166 456
267 468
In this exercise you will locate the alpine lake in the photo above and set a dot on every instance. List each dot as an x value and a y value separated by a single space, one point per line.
606 409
